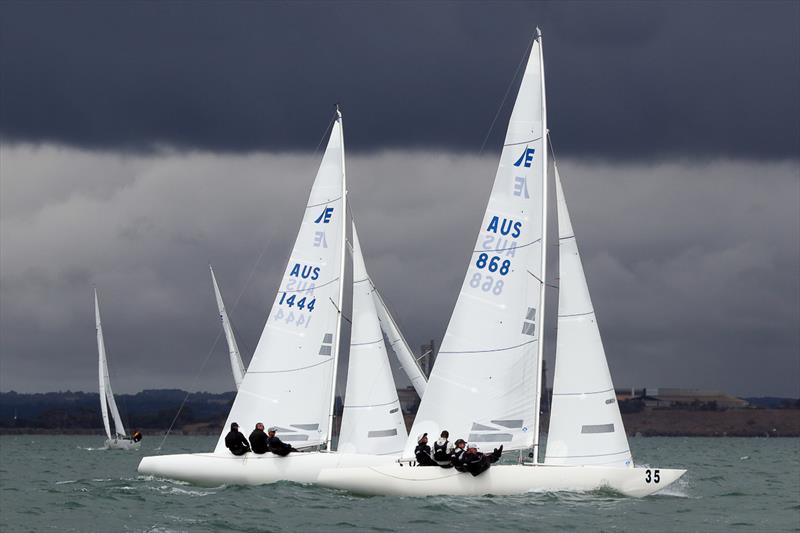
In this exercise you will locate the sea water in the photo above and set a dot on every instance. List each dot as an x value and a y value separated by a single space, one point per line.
69 483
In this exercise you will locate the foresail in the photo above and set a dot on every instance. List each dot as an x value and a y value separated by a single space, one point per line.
398 344
372 422
288 383
483 384
102 370
237 366
585 423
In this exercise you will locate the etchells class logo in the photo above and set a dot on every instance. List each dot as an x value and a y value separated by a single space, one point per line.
526 158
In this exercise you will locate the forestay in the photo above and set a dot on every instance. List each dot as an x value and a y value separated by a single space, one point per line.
289 383
398 343
237 365
585 423
372 422
483 384
106 394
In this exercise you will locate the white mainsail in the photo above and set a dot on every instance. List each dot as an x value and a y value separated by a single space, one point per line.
372 421
107 401
484 384
290 380
585 422
398 343
237 366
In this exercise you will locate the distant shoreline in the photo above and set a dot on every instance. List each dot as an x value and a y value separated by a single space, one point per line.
772 423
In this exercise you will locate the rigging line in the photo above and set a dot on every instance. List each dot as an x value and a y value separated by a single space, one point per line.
508 90
340 311
194 384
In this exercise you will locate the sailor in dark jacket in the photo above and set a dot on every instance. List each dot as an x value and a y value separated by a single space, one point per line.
258 440
476 463
423 452
458 453
443 450
276 445
236 442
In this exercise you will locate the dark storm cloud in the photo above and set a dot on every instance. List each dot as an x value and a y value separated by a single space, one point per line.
626 79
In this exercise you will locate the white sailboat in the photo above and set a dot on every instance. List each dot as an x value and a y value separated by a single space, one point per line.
118 439
237 365
290 382
486 383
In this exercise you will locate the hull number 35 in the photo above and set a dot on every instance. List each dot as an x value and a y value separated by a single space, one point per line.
652 476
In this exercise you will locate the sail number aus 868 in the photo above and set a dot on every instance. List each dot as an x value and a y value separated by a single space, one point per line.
493 264
651 476
301 303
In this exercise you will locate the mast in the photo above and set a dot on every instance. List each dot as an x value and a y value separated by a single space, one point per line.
540 348
338 344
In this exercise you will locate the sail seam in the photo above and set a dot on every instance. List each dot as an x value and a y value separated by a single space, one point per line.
286 371
577 314
366 343
522 142
324 203
567 237
589 455
493 350
506 249
581 393
306 289
373 405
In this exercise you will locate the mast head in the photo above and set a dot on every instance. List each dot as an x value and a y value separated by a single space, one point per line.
338 111
538 34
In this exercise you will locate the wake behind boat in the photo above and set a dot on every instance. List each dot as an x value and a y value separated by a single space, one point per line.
486 382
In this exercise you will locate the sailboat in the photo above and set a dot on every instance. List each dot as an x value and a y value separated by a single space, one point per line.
486 383
118 440
237 365
290 382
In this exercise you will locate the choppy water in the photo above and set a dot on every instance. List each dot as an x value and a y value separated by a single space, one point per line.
67 484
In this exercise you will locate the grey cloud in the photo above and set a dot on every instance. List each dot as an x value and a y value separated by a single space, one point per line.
625 80
692 264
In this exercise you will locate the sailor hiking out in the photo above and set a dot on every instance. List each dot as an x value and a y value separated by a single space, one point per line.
259 440
236 441
423 452
443 450
276 445
458 453
475 462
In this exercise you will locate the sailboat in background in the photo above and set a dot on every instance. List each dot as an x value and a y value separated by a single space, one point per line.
118 440
486 382
237 365
290 382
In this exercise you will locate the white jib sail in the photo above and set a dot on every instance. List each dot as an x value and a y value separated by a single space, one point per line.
483 384
585 423
398 344
106 394
237 366
289 382
372 422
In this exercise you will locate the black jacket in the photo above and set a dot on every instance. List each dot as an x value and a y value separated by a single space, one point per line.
258 441
278 447
236 443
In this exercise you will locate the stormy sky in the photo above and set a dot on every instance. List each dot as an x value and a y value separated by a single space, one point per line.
141 141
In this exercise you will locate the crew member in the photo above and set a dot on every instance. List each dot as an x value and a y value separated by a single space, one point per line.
276 445
236 442
137 436
258 440
458 453
443 450
423 452
476 462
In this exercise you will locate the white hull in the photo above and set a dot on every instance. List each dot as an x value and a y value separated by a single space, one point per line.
500 480
210 469
122 444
